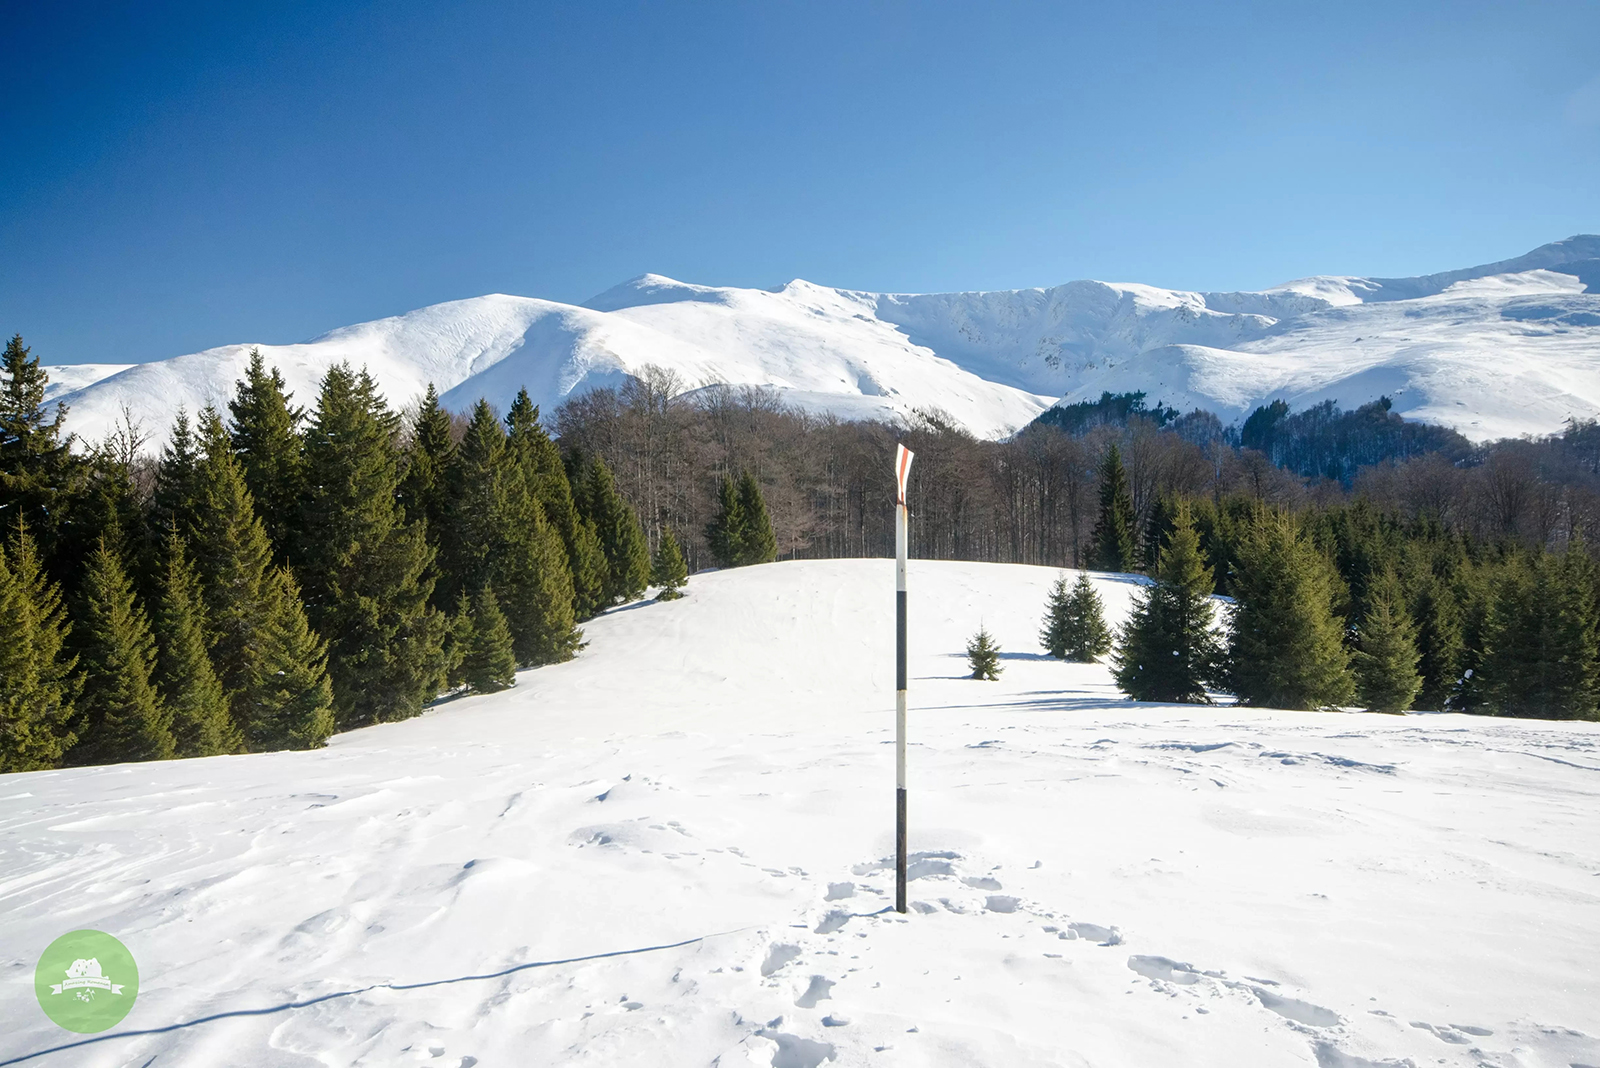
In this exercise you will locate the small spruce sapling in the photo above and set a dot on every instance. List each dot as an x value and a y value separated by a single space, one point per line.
668 571
983 656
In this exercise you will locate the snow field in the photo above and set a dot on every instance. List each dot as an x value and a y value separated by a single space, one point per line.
677 849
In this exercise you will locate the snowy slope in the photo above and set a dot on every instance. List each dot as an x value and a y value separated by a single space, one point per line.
1503 349
671 852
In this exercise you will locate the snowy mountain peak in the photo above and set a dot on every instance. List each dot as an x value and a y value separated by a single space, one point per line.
1502 349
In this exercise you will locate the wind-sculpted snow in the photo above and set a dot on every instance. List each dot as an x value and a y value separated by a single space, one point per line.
1500 350
677 849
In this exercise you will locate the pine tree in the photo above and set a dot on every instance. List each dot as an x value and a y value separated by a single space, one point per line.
123 717
38 686
1156 532
38 473
725 534
531 571
1285 645
367 572
268 448
1074 623
983 656
475 509
202 724
488 663
173 494
541 460
1168 650
668 572
424 491
288 699
1113 538
1539 658
756 544
1440 645
626 551
1386 656
231 554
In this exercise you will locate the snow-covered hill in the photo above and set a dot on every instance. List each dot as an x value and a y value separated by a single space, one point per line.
1504 349
671 851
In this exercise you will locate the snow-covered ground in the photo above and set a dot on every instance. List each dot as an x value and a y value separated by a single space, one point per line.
1504 349
672 850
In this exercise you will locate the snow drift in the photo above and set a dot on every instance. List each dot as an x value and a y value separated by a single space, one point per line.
675 850
1504 349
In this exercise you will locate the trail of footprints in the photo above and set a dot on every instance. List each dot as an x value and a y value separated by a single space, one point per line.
945 885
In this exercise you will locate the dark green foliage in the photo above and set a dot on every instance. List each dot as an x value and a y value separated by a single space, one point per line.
1113 540
268 448
231 555
542 464
741 531
725 533
1112 409
627 554
1074 622
983 656
37 683
498 537
1156 532
38 473
1285 646
1540 647
1385 661
201 721
1167 650
1325 442
367 572
424 492
122 716
1440 647
756 544
287 701
172 499
487 662
668 571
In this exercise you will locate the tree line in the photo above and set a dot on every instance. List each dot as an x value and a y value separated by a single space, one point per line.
280 573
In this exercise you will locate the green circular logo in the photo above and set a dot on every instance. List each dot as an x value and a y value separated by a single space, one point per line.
86 981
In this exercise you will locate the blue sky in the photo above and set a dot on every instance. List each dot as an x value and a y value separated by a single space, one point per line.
181 176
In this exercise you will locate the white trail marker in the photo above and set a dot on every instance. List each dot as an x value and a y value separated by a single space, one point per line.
902 468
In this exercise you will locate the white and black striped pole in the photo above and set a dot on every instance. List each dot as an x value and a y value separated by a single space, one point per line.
902 468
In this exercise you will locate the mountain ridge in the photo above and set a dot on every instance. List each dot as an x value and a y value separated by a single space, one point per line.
1501 349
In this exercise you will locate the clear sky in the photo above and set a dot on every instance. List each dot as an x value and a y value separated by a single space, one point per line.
178 176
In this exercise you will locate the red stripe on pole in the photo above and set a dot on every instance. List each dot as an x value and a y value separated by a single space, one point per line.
902 468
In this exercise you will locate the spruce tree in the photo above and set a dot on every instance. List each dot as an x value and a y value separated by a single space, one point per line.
123 717
173 494
1112 547
1285 644
1440 644
231 554
541 461
1168 650
268 448
1156 532
202 724
757 544
1539 658
1386 655
367 571
424 490
725 534
475 509
488 662
668 572
622 541
288 699
38 685
39 476
1074 623
983 656
531 570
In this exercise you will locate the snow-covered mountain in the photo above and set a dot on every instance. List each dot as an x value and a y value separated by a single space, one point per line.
1499 350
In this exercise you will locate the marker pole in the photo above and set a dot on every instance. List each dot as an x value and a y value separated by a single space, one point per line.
902 469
